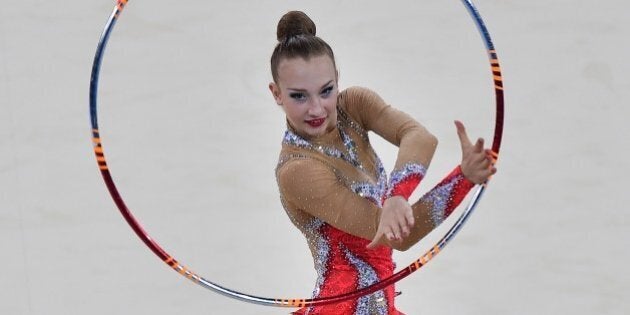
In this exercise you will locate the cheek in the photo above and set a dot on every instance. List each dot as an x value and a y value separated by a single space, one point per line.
294 111
331 103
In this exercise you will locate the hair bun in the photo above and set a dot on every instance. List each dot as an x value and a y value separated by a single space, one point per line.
295 23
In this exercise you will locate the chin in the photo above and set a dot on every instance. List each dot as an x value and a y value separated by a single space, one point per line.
316 132
324 129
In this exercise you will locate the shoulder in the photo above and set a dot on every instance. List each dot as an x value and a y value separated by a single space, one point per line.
303 179
356 100
357 95
362 105
296 169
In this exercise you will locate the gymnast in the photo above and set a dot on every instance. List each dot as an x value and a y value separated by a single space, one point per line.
334 187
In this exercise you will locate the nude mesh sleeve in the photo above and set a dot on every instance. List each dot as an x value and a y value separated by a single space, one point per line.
416 145
310 186
436 205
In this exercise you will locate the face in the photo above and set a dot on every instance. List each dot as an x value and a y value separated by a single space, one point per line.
307 92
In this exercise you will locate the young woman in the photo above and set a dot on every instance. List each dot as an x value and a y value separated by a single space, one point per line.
333 185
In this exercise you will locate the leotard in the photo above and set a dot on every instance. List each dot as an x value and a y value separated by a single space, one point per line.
333 188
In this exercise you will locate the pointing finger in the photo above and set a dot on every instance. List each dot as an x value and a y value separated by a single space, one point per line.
461 132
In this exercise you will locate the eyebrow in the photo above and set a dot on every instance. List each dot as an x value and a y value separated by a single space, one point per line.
303 90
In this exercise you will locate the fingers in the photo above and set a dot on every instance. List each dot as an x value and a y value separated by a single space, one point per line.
395 224
408 223
492 155
405 224
411 221
400 230
461 133
396 232
479 146
491 158
477 161
484 162
375 241
405 231
486 170
373 244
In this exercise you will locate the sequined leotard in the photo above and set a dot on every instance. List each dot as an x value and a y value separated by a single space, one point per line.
333 188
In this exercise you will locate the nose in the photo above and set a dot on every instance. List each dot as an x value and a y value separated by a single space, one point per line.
317 108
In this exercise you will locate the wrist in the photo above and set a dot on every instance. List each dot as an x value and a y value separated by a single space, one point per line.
395 199
404 181
447 195
460 171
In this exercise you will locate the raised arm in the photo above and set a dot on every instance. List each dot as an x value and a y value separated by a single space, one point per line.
436 205
416 145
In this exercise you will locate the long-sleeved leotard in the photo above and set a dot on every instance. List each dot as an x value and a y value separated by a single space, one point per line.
333 188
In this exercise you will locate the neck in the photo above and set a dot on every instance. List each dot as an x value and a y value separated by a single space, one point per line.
328 137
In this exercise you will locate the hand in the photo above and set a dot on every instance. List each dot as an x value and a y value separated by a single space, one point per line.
395 223
477 162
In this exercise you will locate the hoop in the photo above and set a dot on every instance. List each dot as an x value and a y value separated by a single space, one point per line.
285 302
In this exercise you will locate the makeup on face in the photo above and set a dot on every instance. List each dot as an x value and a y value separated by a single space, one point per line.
307 90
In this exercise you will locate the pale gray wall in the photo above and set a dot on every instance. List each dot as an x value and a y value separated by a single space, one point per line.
191 135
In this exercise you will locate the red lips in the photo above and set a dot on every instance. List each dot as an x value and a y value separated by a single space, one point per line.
316 122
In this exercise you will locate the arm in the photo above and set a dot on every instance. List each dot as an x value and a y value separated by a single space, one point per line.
311 186
416 149
435 206
416 144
